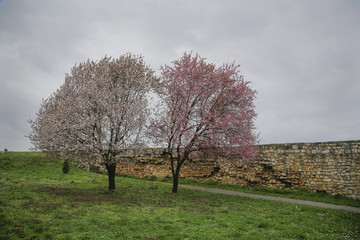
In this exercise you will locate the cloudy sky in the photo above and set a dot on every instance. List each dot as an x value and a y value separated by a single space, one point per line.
303 57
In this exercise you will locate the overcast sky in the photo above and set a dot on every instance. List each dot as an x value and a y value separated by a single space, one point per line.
303 57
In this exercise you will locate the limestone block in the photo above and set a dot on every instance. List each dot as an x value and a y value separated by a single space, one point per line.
316 166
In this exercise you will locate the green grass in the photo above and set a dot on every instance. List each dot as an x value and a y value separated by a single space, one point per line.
39 201
301 194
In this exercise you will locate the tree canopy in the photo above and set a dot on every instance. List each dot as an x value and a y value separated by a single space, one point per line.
99 110
102 108
205 110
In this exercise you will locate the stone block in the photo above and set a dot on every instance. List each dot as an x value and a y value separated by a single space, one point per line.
311 165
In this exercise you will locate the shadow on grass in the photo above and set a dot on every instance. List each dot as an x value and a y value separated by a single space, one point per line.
88 195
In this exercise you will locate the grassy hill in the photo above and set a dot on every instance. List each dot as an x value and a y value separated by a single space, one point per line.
39 201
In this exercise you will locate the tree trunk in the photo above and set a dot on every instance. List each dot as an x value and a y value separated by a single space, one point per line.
111 173
176 175
176 172
175 182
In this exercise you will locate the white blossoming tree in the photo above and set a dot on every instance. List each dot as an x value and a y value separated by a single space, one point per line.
100 110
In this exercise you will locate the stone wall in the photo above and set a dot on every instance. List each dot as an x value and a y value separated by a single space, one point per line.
332 167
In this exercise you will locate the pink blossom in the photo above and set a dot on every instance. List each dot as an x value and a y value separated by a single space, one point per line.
204 110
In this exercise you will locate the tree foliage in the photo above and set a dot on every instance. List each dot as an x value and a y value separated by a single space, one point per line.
205 110
99 110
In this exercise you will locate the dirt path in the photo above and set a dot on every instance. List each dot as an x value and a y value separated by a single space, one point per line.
250 195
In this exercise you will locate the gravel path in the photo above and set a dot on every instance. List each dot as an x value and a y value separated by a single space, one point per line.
250 195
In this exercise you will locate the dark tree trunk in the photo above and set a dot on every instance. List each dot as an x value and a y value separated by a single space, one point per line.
175 182
178 161
176 173
111 173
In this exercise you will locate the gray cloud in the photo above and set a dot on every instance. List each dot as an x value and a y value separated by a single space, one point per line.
302 57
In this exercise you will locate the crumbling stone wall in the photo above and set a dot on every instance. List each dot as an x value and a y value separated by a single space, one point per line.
332 167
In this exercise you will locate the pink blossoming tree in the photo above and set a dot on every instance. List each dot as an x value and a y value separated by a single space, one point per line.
100 110
205 110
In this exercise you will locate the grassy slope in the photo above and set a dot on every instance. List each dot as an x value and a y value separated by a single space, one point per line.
38 201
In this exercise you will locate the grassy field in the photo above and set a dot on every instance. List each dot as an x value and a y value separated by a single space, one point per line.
301 194
38 201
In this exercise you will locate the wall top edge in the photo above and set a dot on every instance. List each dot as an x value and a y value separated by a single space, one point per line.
282 144
310 143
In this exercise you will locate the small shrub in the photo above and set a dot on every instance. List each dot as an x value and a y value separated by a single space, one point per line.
66 166
153 178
